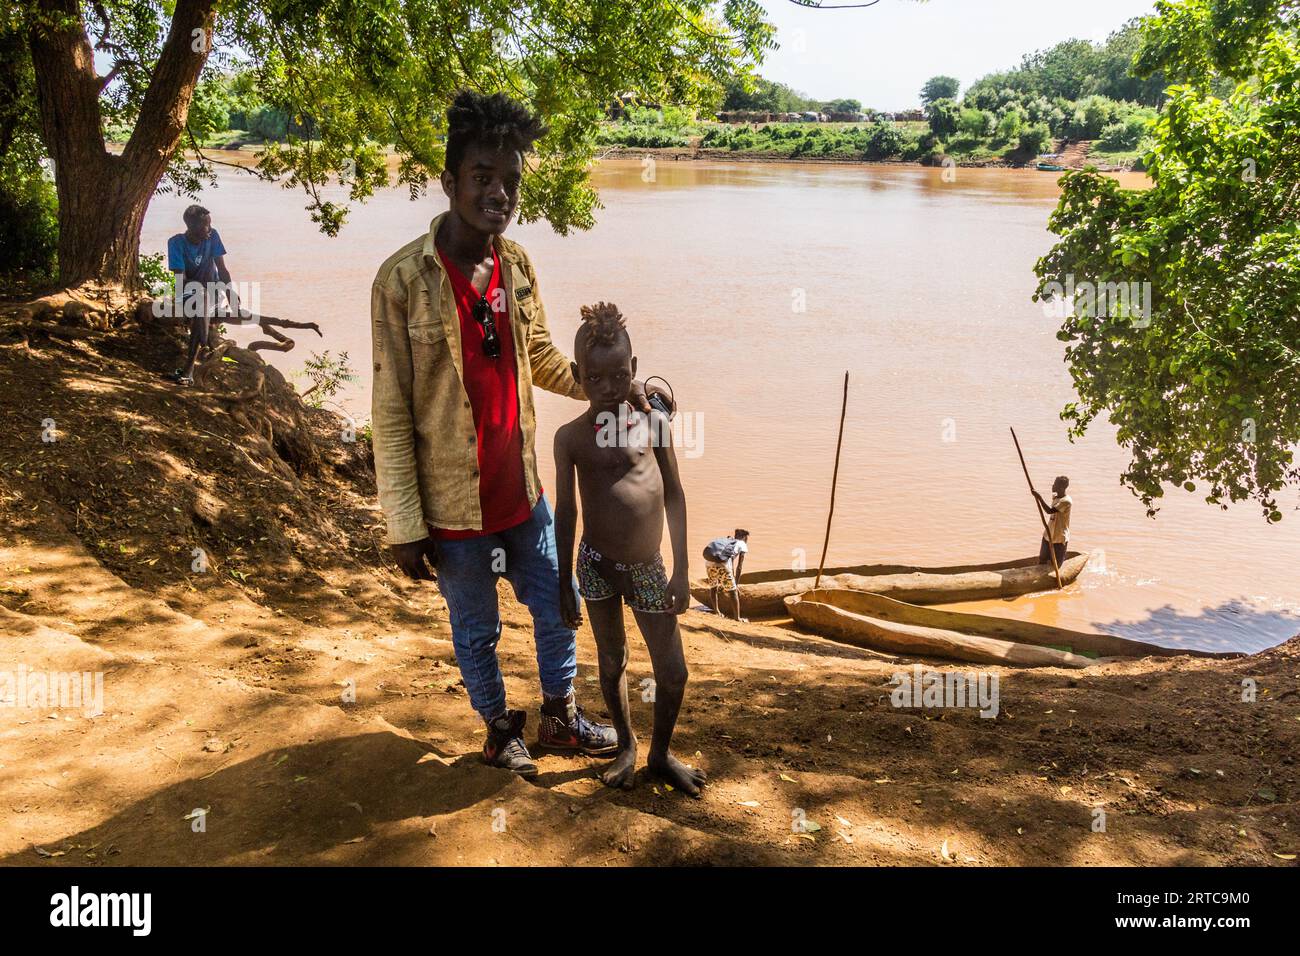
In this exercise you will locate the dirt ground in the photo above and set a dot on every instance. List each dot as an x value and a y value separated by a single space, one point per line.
297 703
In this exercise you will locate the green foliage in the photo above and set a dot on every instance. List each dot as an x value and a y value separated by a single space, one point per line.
1035 139
155 278
939 88
327 375
756 94
884 141
944 116
1008 128
975 123
29 227
1128 133
842 106
331 84
640 137
29 222
1073 70
1207 393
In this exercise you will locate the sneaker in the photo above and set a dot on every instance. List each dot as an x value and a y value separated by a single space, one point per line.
570 730
505 746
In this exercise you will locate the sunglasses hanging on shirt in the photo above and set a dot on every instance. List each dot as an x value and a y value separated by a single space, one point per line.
483 316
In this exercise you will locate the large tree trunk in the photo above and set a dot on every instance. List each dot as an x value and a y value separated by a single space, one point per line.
102 197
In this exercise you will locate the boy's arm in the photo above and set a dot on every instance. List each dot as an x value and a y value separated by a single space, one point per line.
740 565
674 507
566 523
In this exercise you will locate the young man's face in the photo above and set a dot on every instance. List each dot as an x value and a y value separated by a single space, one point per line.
200 228
485 191
606 373
1059 486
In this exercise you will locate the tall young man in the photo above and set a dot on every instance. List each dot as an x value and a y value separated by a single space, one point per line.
459 339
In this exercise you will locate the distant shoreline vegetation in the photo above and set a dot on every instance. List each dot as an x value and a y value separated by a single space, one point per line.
1078 98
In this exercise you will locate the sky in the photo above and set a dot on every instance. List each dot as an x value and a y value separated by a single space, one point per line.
882 55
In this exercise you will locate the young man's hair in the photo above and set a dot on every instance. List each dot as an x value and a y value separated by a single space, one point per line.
193 214
1065 481
741 533
602 324
495 121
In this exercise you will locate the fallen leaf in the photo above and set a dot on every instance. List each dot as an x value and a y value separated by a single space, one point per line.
787 779
749 803
943 851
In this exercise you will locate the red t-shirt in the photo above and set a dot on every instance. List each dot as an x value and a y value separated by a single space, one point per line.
494 398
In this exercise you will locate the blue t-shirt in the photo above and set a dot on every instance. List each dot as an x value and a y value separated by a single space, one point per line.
199 263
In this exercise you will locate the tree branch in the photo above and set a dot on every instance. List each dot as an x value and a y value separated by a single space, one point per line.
162 117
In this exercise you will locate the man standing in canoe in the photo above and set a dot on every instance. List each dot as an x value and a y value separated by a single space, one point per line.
1057 536
459 340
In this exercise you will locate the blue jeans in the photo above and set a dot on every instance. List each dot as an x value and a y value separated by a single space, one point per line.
467 576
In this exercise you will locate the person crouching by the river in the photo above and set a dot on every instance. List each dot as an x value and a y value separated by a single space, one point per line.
1057 536
627 473
724 561
197 258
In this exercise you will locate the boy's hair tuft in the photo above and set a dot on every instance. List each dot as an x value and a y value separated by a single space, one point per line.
603 320
602 324
494 121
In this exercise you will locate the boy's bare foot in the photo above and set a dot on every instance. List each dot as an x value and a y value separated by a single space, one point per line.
621 771
688 779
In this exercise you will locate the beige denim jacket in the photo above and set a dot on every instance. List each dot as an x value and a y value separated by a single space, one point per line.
426 459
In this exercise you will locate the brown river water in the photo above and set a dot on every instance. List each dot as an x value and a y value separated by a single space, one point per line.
753 287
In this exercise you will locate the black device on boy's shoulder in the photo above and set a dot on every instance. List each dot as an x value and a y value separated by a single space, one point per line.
657 401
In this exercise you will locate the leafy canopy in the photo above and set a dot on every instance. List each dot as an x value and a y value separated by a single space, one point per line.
1206 389
358 76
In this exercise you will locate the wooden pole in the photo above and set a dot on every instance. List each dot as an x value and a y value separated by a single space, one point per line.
835 477
1051 549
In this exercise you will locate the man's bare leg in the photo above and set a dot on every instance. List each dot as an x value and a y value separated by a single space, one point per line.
606 619
664 641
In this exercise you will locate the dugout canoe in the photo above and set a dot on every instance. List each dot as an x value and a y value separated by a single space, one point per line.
763 593
880 623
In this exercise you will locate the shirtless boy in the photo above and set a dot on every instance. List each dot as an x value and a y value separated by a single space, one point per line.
628 475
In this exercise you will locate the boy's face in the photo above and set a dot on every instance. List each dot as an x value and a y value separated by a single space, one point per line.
485 191
1059 486
606 373
200 228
